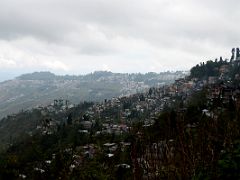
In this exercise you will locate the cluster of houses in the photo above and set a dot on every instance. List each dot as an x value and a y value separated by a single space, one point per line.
118 113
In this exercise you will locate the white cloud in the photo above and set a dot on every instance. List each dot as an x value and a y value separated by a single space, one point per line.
56 65
7 63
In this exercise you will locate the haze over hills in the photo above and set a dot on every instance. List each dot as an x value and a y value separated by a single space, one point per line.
42 88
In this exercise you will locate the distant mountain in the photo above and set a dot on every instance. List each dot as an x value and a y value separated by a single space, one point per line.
42 88
38 76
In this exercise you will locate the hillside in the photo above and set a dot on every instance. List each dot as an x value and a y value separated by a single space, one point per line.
42 88
185 130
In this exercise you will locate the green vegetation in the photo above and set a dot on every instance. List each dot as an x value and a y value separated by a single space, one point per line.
210 68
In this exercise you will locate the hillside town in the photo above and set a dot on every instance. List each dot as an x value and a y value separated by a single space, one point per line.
119 131
41 88
119 112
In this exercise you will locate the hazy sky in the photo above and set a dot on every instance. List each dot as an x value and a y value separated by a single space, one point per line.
81 36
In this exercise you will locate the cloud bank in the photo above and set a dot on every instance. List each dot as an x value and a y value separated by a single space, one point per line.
77 36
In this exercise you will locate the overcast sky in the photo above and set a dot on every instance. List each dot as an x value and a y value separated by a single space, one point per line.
81 36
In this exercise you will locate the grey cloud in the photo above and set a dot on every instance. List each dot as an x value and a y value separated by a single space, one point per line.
165 30
51 19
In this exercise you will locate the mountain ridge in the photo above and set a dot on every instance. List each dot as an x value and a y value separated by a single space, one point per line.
41 88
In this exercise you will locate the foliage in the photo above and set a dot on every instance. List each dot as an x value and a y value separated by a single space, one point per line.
204 70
